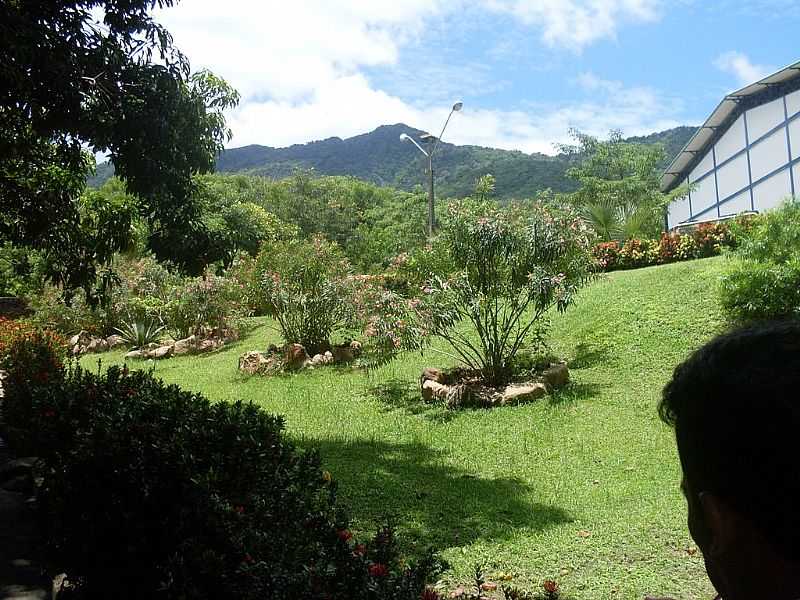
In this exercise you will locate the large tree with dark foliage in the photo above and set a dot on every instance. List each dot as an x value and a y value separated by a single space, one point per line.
99 75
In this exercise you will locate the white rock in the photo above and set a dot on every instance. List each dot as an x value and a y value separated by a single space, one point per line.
134 354
523 393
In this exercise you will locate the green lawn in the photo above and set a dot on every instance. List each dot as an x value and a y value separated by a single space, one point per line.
516 488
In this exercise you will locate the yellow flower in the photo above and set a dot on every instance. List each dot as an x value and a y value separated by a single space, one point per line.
326 475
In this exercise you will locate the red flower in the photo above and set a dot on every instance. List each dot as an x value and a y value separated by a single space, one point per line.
344 535
239 509
378 570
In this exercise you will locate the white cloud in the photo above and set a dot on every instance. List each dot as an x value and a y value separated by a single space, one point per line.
576 23
740 66
301 69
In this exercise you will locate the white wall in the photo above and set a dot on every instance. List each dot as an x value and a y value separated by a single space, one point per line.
764 167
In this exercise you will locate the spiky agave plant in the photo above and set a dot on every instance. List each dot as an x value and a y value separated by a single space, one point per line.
139 334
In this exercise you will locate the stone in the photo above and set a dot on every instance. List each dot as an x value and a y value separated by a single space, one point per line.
209 345
431 374
76 349
356 347
518 393
97 345
161 352
185 346
114 341
329 360
318 360
432 390
134 354
343 354
78 339
296 357
253 362
557 376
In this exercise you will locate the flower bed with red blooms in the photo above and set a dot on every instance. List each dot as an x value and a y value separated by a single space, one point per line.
31 358
708 239
152 491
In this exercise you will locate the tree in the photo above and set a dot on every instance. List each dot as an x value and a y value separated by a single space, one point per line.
497 272
70 83
619 193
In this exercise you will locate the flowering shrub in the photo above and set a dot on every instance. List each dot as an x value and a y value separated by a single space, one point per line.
711 238
208 302
607 255
307 287
638 253
30 357
502 270
156 492
708 239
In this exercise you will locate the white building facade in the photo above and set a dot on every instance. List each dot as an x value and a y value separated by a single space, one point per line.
745 157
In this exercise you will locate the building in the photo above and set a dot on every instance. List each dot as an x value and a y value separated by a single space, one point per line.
745 157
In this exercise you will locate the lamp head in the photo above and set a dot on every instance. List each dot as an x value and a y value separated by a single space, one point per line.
403 137
458 106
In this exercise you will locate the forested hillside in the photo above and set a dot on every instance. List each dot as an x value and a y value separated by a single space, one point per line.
381 158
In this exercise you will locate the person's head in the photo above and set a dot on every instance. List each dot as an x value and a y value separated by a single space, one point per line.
735 406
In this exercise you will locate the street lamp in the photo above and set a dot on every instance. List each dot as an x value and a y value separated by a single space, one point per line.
433 143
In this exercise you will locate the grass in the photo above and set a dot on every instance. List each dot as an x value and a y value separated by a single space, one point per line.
581 487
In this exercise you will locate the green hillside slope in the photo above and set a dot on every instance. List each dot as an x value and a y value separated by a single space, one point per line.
582 487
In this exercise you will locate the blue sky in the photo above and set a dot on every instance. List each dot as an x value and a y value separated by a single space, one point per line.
527 70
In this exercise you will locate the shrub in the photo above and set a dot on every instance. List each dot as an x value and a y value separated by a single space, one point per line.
711 238
638 253
208 302
772 236
762 290
139 334
30 357
307 287
510 267
606 254
764 279
152 491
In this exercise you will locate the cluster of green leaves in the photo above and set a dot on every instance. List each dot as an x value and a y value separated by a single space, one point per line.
619 186
147 296
117 85
157 492
497 270
763 280
308 288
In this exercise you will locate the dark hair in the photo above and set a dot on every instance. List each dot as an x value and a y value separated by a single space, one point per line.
735 406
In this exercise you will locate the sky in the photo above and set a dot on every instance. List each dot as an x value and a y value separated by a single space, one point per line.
527 70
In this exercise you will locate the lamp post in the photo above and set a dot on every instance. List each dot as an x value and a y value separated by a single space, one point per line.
433 144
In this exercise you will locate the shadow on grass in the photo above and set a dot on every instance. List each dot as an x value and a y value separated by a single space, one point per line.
575 392
588 355
433 502
404 395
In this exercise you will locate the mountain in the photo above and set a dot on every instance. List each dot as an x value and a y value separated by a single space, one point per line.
382 158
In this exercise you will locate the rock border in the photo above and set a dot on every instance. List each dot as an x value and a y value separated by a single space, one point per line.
455 388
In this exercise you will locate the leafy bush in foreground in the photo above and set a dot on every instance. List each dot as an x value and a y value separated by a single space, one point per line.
151 491
763 281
